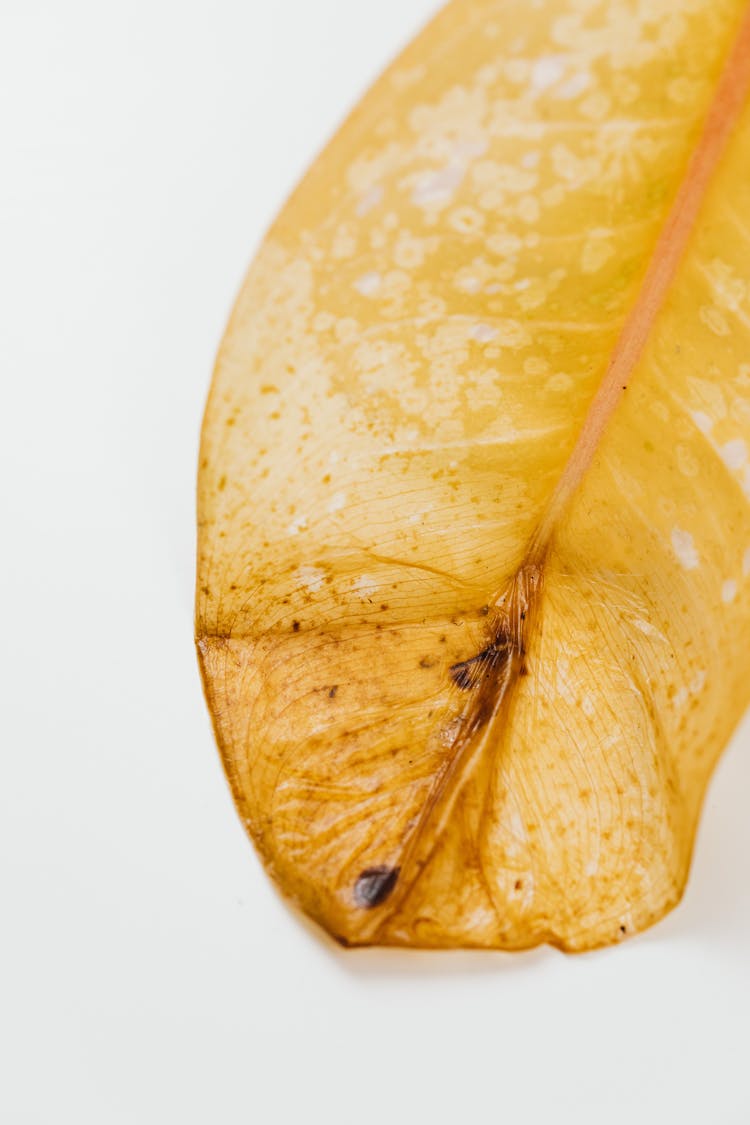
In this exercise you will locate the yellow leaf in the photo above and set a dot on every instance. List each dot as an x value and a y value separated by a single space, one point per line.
473 617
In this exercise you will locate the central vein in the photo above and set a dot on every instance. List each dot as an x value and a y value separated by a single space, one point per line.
492 674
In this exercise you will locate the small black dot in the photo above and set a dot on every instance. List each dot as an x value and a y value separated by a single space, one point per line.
374 885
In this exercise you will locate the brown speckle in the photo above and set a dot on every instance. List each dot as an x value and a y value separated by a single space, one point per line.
295 626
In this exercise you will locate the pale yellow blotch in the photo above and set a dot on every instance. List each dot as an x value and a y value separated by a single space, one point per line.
311 577
734 454
368 284
728 591
714 319
597 251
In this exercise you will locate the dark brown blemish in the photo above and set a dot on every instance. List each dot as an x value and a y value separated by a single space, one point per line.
518 885
427 662
468 673
332 692
295 626
374 885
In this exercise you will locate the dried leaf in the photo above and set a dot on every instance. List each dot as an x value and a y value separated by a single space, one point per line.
474 597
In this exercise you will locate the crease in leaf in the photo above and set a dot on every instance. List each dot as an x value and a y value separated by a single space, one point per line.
562 760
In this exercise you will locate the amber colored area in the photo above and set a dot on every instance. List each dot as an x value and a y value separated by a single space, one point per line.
473 608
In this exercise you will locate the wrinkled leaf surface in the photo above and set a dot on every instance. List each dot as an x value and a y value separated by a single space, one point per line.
441 725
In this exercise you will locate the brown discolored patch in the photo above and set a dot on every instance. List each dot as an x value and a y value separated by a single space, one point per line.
466 674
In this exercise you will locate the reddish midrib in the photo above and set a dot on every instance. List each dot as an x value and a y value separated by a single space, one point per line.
731 94
495 687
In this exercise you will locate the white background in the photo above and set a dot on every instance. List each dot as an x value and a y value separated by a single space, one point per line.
149 974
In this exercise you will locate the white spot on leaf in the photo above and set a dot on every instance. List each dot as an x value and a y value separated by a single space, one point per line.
729 591
734 454
311 577
370 199
483 333
546 71
365 585
715 320
439 186
297 525
702 421
575 85
368 284
684 548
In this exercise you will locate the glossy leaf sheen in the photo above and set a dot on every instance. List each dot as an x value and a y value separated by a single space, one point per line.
473 605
